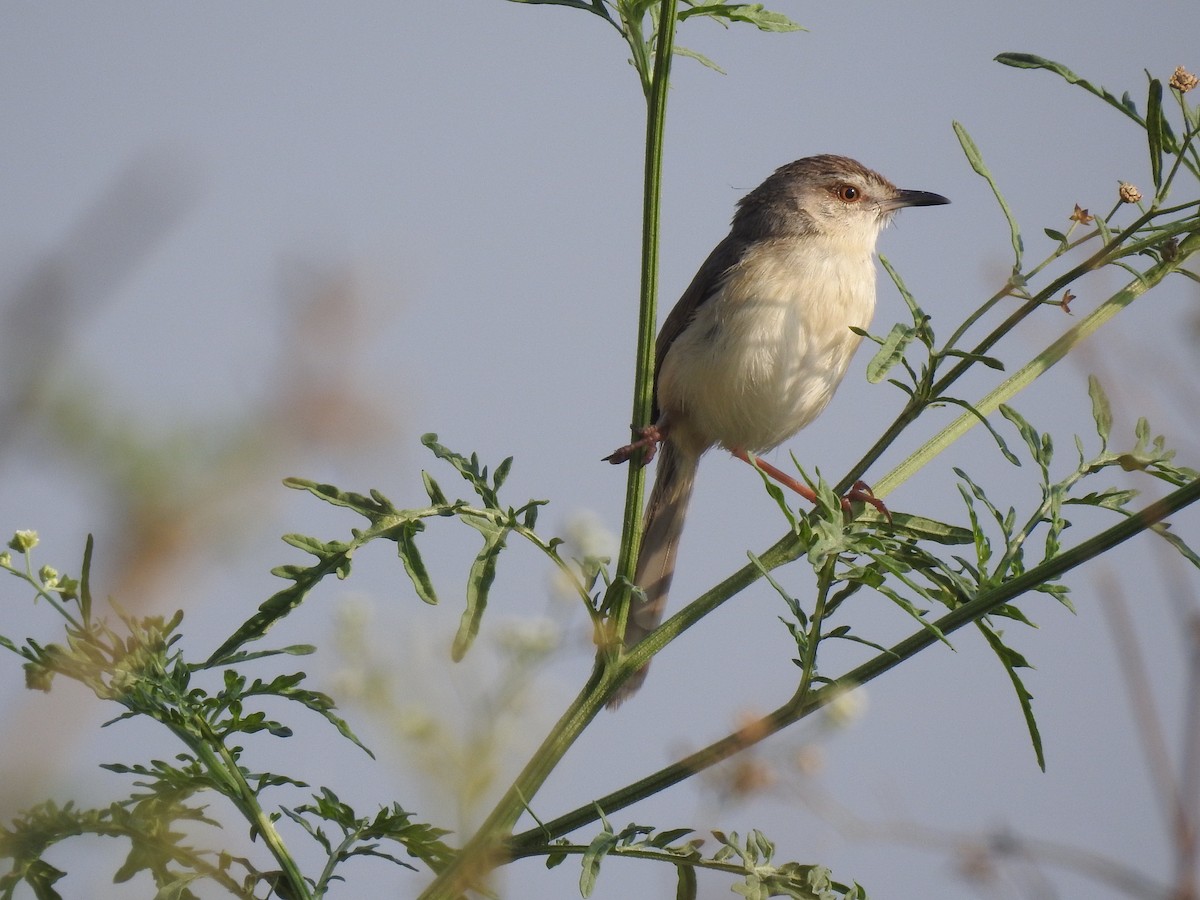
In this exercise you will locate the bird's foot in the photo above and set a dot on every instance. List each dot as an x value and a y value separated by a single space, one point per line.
648 439
860 492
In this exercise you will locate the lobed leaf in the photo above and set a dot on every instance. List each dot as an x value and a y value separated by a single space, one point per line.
1012 660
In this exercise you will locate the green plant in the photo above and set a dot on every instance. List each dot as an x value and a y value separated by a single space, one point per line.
973 572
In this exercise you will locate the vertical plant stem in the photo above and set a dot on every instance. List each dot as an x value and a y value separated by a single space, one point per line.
643 391
487 847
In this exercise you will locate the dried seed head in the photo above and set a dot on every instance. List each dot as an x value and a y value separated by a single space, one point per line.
1129 193
1183 80
1082 216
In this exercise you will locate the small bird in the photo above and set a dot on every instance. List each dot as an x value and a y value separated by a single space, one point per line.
758 343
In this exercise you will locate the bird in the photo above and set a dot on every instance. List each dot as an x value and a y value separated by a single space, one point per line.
757 344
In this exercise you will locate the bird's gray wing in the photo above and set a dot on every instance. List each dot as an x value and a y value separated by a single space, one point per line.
724 257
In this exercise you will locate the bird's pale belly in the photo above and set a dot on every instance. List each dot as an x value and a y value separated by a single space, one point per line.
753 377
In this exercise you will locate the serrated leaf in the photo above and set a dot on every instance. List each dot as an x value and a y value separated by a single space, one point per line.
1162 529
1039 449
890 352
752 13
40 876
1113 498
279 605
1012 660
919 527
592 857
501 473
982 419
479 582
593 7
700 58
847 636
436 496
413 563
1101 410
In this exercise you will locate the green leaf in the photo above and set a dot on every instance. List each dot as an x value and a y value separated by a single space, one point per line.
501 473
414 565
752 13
40 876
85 583
1012 660
685 885
975 158
1038 444
479 582
469 469
436 495
700 58
890 352
920 319
280 604
1031 61
1003 447
917 527
1057 236
592 857
1101 411
177 888
1125 104
990 361
1155 128
596 7
843 633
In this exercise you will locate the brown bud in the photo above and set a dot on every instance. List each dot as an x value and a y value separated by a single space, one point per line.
1129 193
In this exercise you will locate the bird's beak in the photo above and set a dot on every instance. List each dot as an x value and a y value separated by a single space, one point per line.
913 198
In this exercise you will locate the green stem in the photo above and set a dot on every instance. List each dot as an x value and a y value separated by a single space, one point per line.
643 393
800 706
913 409
809 661
1034 369
215 756
486 848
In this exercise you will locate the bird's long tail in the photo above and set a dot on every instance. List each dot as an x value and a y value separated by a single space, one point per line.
662 527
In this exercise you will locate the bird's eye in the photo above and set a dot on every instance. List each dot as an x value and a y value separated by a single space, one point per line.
848 193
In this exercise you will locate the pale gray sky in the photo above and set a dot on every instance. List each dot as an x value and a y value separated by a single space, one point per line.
478 165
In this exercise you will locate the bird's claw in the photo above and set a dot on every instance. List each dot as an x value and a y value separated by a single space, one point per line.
647 441
860 492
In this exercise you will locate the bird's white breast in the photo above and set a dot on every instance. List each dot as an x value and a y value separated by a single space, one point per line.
763 356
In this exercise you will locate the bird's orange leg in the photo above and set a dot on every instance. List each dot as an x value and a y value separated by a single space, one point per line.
859 493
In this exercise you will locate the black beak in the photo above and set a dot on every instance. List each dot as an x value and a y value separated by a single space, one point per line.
914 198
